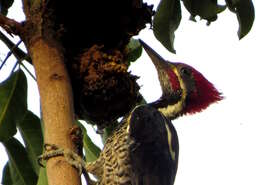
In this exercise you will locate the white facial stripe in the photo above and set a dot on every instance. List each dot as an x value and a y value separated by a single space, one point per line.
172 152
171 109
129 117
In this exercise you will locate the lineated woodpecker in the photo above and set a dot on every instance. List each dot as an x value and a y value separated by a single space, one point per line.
144 149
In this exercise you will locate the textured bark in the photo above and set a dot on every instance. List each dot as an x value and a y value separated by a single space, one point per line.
53 33
57 107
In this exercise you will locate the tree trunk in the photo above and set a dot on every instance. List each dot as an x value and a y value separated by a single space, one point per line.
57 107
96 61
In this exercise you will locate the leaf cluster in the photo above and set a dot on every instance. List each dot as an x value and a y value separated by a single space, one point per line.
168 16
22 167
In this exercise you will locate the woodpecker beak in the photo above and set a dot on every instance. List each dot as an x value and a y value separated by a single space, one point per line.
157 60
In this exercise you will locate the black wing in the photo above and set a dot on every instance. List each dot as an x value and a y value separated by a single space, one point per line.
155 148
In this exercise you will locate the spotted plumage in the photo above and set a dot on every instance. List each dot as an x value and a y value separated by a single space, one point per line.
145 136
112 167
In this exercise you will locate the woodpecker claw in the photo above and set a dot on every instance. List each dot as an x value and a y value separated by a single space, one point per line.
39 160
76 136
71 157
51 150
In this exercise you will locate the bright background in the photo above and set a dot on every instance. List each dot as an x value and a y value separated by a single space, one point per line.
220 146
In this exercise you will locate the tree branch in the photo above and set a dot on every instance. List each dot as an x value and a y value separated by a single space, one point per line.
14 49
10 25
26 7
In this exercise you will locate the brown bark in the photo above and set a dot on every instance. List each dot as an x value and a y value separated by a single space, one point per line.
57 107
10 25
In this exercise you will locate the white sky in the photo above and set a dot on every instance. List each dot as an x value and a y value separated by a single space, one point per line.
222 144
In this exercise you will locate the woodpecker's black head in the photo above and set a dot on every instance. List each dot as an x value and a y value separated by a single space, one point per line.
184 89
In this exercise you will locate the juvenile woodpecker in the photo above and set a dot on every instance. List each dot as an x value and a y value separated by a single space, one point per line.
144 149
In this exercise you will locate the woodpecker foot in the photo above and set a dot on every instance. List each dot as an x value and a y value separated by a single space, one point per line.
76 136
71 157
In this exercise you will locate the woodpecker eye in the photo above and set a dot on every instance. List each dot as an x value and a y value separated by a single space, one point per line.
185 71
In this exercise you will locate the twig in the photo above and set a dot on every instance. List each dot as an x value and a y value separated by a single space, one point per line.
9 54
6 58
3 63
15 65
10 25
17 52
28 71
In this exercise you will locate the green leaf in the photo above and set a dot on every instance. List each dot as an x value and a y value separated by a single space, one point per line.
166 20
134 50
5 5
13 103
21 169
30 129
91 150
42 180
245 11
206 9
6 176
